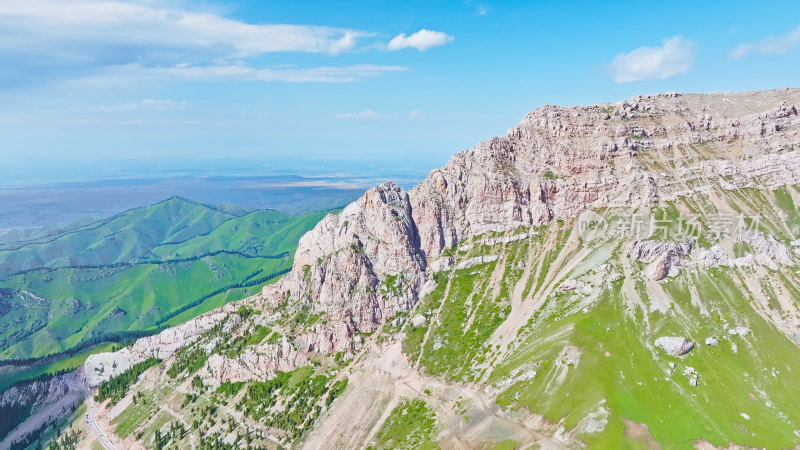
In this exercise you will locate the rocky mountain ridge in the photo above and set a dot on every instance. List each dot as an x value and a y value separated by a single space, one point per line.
556 164
482 261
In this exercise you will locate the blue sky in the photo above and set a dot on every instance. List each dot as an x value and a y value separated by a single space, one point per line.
109 80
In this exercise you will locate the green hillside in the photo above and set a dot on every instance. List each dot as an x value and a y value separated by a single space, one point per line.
119 239
175 267
260 233
586 358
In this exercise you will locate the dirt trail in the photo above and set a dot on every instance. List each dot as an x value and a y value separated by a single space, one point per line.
383 379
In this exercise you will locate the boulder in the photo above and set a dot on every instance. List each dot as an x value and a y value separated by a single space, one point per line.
418 320
665 257
674 345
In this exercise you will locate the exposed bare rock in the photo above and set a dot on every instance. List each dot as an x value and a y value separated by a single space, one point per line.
442 263
255 363
592 282
674 345
559 162
767 251
35 393
508 239
342 264
326 338
48 401
649 251
739 331
419 320
605 273
571 285
474 261
102 366
165 344
665 258
712 257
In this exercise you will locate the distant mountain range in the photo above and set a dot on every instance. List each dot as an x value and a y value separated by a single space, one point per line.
119 239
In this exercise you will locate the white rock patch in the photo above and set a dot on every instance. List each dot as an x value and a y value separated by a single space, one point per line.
674 345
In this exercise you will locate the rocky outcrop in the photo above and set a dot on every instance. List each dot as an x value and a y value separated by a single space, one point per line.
712 257
474 261
359 267
579 286
104 366
559 162
665 258
674 345
255 363
35 393
767 251
100 367
326 338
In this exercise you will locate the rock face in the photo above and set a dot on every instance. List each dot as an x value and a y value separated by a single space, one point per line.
35 393
360 267
102 366
767 251
325 338
254 364
559 162
713 257
665 257
673 345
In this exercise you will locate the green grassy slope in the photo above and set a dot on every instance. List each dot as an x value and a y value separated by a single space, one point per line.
47 311
119 239
589 361
622 375
81 304
261 233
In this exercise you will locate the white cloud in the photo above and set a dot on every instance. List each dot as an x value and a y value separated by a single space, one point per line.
482 10
674 57
327 74
109 23
46 40
421 40
148 123
773 45
370 114
366 114
130 75
143 105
